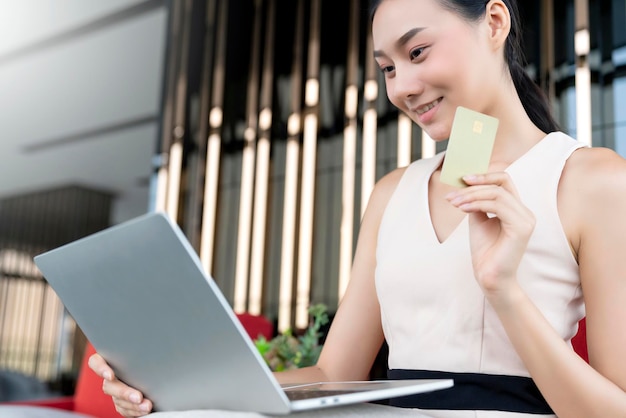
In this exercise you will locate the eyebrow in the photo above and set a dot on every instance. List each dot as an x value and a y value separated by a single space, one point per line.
402 41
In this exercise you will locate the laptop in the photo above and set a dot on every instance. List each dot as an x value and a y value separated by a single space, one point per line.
141 296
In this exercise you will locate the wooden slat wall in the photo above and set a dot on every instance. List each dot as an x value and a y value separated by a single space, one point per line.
298 132
37 336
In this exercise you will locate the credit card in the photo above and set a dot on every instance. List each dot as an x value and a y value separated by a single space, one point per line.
469 147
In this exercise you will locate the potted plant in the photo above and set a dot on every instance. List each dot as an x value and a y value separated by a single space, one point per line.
288 351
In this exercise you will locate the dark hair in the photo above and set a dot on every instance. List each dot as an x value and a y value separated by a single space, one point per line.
533 99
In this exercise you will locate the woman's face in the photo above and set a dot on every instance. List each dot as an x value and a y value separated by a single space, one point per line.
434 61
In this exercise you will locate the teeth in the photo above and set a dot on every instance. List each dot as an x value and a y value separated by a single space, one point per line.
427 107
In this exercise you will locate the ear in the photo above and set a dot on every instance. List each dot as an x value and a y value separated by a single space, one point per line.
498 20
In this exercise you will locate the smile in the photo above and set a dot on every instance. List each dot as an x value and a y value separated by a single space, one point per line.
423 109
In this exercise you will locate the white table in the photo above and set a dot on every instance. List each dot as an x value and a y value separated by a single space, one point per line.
350 411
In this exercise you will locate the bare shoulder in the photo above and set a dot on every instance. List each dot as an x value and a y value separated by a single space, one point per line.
388 183
384 189
593 172
593 187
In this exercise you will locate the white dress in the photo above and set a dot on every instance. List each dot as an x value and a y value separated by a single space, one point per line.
435 316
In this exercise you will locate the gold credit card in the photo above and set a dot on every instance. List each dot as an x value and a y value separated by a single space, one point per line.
469 147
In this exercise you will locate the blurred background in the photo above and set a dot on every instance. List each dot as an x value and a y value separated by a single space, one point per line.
260 126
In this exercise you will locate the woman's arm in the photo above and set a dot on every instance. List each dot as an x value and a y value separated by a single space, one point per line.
355 336
592 203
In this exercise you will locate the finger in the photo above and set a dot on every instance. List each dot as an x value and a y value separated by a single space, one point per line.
130 400
492 200
100 367
465 198
509 215
130 412
129 409
499 178
123 392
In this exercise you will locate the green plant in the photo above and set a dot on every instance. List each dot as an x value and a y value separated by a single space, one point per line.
287 351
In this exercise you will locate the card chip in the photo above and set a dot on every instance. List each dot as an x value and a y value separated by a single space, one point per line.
478 127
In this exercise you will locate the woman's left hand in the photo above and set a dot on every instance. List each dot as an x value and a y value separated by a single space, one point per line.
497 240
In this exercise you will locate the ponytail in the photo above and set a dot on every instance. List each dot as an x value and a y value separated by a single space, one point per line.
533 99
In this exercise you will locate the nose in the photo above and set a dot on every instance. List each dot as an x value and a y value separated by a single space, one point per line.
406 83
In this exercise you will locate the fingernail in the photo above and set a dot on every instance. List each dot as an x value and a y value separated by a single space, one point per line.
134 398
107 375
469 177
144 407
451 195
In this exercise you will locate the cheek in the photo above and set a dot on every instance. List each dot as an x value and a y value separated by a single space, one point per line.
391 96
454 80
455 60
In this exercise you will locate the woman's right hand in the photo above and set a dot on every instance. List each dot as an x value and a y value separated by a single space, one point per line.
128 401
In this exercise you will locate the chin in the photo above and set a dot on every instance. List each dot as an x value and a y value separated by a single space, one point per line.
436 132
437 135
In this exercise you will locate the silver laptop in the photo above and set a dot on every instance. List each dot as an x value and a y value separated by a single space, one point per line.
140 294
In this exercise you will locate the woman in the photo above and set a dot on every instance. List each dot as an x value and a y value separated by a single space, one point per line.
482 284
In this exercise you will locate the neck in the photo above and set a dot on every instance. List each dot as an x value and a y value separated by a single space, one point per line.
516 132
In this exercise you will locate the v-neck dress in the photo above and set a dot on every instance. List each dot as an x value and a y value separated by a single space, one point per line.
434 314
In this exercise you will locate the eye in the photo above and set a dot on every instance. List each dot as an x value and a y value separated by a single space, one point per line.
388 69
416 53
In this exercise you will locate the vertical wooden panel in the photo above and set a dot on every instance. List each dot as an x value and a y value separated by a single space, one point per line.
429 146
244 230
202 58
583 72
214 141
405 128
260 221
349 150
292 164
178 133
547 50
308 168
370 125
368 173
167 119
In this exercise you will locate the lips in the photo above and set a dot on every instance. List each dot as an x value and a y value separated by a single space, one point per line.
425 108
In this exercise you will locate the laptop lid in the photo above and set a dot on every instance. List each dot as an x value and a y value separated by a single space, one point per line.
139 293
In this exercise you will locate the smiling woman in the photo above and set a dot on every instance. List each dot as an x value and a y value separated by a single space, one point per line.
533 99
484 284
